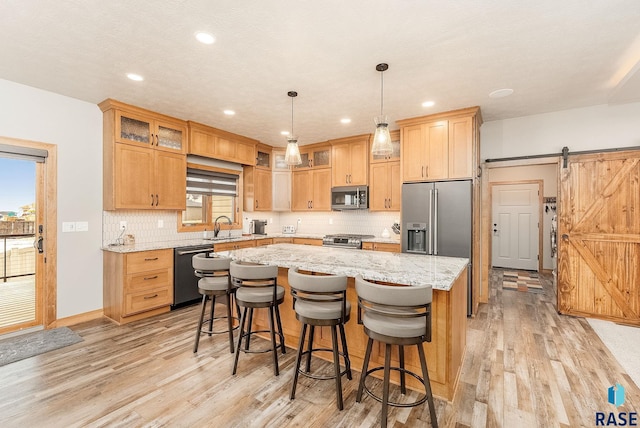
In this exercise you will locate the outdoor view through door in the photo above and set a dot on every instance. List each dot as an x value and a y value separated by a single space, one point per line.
18 231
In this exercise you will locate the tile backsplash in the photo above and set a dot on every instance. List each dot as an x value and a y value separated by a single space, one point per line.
144 225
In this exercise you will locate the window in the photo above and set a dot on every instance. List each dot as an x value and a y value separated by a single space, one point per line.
211 192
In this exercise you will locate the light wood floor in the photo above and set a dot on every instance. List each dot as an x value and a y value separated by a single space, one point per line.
525 366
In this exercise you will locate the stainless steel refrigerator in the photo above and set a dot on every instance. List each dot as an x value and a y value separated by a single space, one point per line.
436 220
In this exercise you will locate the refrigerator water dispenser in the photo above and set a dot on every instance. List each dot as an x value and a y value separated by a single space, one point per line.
416 238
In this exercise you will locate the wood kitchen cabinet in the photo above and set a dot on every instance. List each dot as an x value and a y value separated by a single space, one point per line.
263 156
230 246
349 156
311 190
441 146
215 143
257 189
381 246
146 179
308 241
385 187
315 156
144 165
137 285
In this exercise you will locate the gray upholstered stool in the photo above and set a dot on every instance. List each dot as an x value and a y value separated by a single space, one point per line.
321 300
257 288
395 316
214 282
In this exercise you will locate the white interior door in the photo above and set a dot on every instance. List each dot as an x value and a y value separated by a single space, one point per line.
515 223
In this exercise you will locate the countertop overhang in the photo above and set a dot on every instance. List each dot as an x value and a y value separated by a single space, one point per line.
397 268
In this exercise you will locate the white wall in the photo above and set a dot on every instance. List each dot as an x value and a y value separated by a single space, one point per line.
76 128
590 128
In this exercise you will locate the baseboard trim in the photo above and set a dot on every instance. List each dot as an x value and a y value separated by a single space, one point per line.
77 319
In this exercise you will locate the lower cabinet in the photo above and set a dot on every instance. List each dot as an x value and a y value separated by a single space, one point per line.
137 285
381 246
283 240
230 246
307 241
265 241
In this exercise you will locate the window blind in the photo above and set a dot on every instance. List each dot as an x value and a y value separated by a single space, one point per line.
23 153
203 182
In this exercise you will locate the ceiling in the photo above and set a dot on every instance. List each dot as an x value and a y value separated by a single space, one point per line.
555 55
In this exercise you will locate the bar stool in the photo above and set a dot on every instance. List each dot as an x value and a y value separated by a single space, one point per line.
395 316
214 282
320 300
257 287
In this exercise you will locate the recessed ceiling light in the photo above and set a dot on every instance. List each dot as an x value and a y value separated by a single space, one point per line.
135 77
345 120
428 104
205 38
501 93
229 112
284 132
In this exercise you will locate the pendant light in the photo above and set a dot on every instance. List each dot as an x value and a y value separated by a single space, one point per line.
292 155
382 139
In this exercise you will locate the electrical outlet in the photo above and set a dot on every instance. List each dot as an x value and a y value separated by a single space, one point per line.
123 225
160 224
271 221
330 220
299 220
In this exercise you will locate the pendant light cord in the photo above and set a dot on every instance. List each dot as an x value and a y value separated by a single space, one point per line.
381 92
291 116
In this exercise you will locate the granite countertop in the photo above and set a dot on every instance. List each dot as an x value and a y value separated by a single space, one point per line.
162 245
397 268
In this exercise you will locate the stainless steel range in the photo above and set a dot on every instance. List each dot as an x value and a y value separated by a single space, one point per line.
345 240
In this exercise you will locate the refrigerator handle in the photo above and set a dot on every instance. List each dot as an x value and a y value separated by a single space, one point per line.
430 222
435 223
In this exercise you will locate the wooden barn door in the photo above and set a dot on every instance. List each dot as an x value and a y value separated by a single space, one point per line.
599 237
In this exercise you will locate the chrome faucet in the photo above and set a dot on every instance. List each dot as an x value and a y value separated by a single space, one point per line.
216 225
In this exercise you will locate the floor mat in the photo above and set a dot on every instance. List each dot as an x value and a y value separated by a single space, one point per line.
28 345
521 281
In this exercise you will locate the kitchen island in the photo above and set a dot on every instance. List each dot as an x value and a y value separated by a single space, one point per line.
447 276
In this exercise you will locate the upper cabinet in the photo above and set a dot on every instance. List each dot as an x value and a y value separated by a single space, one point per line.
349 158
441 146
149 130
218 144
394 156
144 165
263 156
257 189
315 156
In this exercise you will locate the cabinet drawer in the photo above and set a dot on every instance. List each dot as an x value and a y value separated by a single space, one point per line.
145 261
146 280
147 300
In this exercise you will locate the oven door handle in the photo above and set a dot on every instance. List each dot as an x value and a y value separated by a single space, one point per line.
203 250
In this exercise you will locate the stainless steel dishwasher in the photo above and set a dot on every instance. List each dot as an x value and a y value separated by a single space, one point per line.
185 282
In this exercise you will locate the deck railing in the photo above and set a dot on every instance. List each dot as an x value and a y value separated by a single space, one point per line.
18 257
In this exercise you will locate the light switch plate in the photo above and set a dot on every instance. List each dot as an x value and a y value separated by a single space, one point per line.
82 226
68 226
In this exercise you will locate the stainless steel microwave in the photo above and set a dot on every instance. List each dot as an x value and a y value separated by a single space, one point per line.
350 198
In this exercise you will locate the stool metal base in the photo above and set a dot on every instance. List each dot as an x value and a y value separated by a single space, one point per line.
201 321
346 371
392 403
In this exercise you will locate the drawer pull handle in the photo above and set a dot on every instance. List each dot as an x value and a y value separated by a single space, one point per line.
150 297
150 259
147 278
